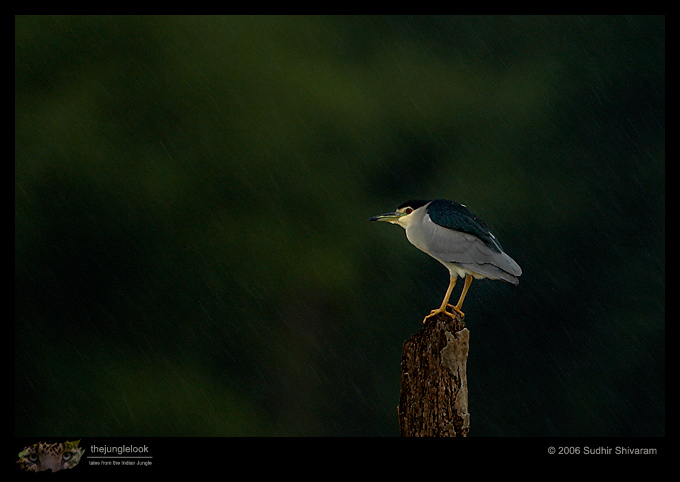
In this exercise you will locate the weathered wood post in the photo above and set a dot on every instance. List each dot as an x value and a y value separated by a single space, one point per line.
434 392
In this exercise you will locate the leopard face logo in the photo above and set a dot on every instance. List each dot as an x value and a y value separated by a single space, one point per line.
57 456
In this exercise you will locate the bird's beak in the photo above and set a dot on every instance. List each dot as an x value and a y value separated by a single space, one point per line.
388 217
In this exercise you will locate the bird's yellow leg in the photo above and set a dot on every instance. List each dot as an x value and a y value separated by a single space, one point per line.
466 286
442 308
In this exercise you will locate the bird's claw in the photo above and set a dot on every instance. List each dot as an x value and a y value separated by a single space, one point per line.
457 310
436 312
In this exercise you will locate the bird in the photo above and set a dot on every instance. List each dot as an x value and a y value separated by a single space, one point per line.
453 235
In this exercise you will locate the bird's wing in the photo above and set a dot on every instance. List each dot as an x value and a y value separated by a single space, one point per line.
456 216
468 251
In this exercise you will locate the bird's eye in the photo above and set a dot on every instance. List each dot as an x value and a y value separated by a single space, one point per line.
408 210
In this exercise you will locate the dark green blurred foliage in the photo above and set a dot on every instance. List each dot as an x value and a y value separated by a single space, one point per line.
192 255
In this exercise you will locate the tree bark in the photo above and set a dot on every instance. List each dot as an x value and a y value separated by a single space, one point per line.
434 392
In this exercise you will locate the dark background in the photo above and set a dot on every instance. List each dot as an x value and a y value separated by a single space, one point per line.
192 251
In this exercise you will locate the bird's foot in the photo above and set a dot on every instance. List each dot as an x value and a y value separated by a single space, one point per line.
434 313
457 310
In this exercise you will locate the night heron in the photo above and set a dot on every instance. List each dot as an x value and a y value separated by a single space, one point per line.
458 239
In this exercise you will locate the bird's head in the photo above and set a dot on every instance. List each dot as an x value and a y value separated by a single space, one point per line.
404 213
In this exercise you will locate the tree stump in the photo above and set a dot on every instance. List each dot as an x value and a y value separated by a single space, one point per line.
434 392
